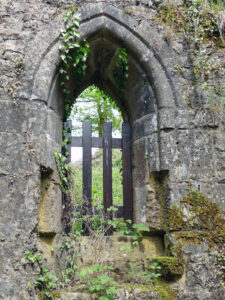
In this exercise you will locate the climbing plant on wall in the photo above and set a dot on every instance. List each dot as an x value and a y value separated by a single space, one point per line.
121 72
72 53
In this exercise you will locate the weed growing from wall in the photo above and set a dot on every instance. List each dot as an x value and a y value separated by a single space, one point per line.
203 24
99 277
46 281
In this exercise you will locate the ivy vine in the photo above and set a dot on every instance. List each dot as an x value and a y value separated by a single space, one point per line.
72 53
63 169
121 73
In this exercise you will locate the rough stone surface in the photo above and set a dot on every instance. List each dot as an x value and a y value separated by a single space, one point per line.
177 133
132 293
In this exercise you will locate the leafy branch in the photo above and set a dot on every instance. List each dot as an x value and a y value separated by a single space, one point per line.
72 53
121 73
46 281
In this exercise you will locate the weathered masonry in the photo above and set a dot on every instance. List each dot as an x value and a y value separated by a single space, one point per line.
178 140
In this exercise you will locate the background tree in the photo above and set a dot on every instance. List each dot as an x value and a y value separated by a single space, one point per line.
96 106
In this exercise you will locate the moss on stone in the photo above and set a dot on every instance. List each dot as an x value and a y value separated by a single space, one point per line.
171 267
203 220
165 291
176 219
178 16
159 288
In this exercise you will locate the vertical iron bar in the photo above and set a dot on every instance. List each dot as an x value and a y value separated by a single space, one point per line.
87 163
107 164
127 173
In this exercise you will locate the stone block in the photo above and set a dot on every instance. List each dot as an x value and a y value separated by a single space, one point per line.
17 155
153 152
144 126
48 147
45 75
139 204
125 292
50 207
54 127
220 142
182 119
22 116
167 146
55 98
13 117
157 202
167 118
107 250
140 162
138 87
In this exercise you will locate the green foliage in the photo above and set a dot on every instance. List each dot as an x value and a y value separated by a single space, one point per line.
69 272
97 179
200 20
121 72
165 291
170 267
46 282
203 24
152 273
98 278
98 222
62 168
33 258
125 227
96 106
99 283
72 53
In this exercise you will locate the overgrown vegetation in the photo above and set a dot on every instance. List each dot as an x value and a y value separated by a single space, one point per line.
198 220
200 20
121 71
96 106
198 213
73 53
203 24
46 281
171 267
97 178
98 278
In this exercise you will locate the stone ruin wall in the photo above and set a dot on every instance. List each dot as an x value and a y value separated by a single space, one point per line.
183 141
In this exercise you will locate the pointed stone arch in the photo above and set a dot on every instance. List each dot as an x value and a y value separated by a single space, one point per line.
151 95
